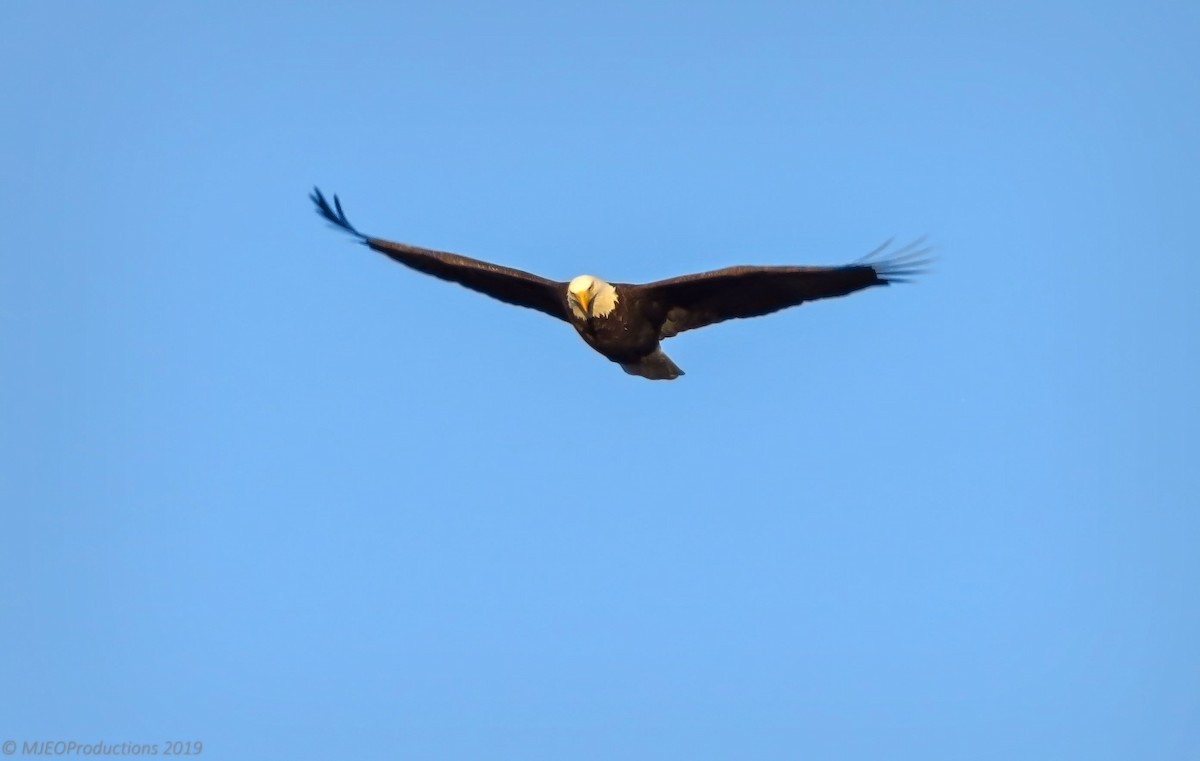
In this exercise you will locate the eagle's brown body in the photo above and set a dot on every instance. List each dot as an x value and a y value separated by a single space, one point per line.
625 335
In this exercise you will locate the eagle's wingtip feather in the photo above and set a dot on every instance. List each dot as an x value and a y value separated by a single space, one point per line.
902 265
334 214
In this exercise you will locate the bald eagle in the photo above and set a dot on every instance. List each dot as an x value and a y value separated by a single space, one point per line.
626 322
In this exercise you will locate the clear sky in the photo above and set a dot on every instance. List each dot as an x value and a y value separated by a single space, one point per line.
265 489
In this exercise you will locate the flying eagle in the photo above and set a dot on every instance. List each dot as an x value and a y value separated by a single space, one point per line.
626 322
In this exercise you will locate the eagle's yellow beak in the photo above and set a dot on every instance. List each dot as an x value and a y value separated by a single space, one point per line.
583 301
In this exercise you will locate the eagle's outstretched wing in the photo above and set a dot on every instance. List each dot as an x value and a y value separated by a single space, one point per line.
508 285
694 301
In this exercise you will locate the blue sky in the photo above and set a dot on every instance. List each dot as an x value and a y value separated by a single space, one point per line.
267 490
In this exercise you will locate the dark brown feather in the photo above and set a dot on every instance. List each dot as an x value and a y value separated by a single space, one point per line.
694 301
509 285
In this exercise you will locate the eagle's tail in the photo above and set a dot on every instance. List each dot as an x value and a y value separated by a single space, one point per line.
655 366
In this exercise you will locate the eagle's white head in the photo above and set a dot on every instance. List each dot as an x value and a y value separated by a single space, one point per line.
591 297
